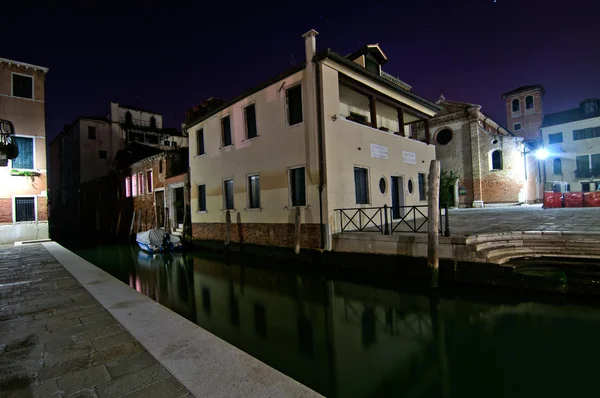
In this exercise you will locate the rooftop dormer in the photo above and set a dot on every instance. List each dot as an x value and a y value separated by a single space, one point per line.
371 57
590 105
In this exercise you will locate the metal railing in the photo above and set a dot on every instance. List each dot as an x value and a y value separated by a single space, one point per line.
386 220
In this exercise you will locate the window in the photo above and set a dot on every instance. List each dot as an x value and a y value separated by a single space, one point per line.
293 98
24 209
250 119
128 118
102 154
127 187
25 158
160 166
382 185
497 160
516 105
411 186
253 192
585 187
555 138
444 136
557 165
529 104
22 86
134 185
199 142
141 184
517 126
167 143
226 131
91 132
422 195
583 165
228 194
297 186
150 182
152 122
152 138
583 134
201 197
372 66
361 185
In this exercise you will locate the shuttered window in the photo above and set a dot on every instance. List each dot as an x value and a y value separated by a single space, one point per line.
25 158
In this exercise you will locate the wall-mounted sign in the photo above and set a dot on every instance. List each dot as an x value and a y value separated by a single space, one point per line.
462 191
409 157
379 151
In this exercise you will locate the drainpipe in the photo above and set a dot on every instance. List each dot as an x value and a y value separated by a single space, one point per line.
320 138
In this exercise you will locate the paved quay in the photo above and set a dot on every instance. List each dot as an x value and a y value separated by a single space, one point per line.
56 340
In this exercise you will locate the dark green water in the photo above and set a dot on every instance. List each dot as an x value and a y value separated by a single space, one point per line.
347 339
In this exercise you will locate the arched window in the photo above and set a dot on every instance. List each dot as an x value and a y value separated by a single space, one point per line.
529 102
516 105
153 122
557 166
497 160
128 118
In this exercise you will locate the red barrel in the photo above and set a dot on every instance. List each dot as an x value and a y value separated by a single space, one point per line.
591 199
573 199
552 200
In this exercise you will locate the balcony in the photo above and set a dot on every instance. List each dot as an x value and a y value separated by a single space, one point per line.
138 123
588 173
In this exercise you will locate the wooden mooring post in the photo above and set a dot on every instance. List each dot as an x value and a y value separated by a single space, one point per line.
433 214
132 223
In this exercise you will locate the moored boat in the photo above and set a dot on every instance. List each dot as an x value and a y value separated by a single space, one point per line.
157 241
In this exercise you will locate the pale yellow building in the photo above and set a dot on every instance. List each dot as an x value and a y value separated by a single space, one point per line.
23 180
329 134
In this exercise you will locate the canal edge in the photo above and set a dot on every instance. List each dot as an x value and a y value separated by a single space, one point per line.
205 364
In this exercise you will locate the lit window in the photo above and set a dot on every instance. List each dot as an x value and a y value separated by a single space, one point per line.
22 86
134 185
141 183
127 187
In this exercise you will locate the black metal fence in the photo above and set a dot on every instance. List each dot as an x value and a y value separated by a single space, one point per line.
24 209
386 220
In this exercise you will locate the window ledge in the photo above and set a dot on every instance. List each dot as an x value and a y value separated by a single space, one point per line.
199 156
251 139
254 209
290 126
201 211
225 147
515 114
225 210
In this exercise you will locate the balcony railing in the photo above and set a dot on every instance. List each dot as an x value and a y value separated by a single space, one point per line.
136 122
588 173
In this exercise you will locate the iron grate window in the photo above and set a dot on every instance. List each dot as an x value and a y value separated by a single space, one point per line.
24 209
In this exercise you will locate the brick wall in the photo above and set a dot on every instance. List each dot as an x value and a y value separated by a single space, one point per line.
42 208
260 233
6 210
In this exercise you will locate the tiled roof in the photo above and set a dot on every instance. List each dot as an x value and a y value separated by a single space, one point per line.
523 89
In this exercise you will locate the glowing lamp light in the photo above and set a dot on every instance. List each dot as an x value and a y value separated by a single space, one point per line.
541 154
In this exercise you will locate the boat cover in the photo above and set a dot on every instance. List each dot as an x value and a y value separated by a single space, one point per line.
155 237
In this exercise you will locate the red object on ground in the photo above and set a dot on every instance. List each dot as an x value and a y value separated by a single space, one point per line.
573 199
552 200
591 199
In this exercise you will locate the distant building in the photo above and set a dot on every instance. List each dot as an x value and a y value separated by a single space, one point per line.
23 180
524 116
96 146
486 156
572 140
328 134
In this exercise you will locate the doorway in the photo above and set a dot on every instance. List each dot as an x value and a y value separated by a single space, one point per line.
159 203
178 206
397 190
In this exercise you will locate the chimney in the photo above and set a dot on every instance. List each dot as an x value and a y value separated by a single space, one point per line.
310 44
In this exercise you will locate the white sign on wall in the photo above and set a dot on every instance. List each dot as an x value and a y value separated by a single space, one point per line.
409 157
379 151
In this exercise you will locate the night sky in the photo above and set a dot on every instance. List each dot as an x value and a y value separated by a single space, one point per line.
168 56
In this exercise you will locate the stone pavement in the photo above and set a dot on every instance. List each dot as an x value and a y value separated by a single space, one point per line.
56 340
523 218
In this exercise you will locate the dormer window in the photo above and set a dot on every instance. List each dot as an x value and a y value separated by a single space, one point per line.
372 66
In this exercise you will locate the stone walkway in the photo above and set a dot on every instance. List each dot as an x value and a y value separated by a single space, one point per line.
56 340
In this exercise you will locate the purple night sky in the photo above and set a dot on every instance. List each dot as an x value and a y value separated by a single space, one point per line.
169 56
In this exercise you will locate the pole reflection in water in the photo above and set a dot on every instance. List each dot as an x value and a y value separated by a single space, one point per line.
349 340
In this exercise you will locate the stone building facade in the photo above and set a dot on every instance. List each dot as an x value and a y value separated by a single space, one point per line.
487 158
24 179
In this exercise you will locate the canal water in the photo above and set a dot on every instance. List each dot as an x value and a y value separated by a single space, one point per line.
347 339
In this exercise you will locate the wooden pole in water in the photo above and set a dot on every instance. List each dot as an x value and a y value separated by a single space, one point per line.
118 224
433 254
227 229
297 232
132 223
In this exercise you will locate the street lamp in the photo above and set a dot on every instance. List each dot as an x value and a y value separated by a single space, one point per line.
541 153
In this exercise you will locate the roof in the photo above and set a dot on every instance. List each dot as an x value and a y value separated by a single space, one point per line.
23 64
372 49
357 68
571 115
456 106
134 153
246 93
522 89
137 108
97 118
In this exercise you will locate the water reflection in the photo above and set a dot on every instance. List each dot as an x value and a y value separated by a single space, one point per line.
348 340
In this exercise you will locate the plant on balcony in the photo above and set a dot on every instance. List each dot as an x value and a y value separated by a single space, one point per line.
384 129
24 173
10 149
